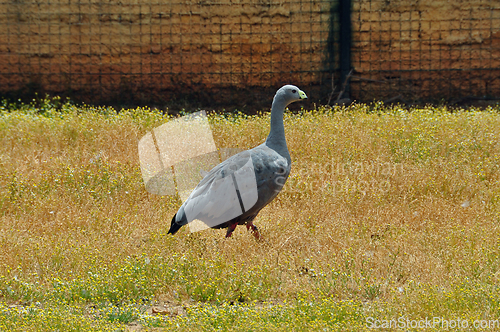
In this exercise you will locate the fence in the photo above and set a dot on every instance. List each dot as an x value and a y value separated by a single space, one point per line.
426 50
235 53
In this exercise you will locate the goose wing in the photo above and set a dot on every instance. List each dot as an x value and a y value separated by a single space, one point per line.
227 191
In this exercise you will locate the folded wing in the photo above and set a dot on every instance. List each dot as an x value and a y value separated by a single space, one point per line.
226 192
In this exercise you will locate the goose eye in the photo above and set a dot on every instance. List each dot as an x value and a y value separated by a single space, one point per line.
294 91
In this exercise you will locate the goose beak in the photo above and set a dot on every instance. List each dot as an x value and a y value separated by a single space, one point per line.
302 94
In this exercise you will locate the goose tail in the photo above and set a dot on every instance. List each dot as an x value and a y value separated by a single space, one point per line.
174 227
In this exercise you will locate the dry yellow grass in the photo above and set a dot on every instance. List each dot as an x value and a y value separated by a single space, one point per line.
388 212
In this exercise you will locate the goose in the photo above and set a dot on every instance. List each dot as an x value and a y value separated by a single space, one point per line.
252 176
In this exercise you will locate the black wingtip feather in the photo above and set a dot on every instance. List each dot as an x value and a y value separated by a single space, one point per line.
174 227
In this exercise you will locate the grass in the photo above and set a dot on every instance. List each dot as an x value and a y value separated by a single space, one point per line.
389 213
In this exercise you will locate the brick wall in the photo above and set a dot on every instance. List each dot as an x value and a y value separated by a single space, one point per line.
153 48
426 49
154 51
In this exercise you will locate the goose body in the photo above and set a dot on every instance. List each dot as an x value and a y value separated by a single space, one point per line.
271 165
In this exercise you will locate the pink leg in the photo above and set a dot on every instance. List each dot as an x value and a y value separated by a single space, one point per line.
231 229
255 230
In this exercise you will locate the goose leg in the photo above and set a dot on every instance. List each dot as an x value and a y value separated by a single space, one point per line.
230 229
255 230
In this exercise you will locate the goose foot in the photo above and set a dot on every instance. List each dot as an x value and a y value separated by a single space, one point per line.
255 230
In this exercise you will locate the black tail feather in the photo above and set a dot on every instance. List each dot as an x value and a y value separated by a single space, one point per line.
174 227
